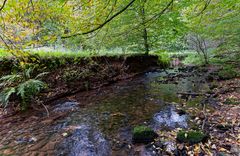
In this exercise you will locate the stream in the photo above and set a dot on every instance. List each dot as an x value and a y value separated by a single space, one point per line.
100 122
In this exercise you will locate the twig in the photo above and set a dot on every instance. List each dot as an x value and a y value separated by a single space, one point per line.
205 117
45 108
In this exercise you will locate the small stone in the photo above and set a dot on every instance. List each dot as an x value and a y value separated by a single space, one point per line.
214 146
180 147
64 134
32 139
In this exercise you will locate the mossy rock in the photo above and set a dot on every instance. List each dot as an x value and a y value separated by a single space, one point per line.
143 134
191 137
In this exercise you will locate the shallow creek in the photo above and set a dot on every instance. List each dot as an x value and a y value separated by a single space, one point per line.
100 123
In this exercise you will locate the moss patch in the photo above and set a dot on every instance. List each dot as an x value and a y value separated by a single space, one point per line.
143 134
191 137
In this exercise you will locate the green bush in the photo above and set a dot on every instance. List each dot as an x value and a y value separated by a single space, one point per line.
228 72
163 58
193 58
22 85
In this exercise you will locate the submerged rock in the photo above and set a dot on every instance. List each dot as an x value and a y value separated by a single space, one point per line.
170 118
66 106
143 134
84 141
191 137
26 140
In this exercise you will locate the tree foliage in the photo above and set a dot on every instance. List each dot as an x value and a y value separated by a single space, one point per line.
140 25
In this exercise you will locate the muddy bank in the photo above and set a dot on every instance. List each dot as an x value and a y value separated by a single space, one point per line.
95 73
67 76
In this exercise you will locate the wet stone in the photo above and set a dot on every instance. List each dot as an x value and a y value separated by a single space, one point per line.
84 141
26 140
170 118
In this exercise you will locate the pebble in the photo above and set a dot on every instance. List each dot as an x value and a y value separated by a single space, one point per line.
214 146
180 147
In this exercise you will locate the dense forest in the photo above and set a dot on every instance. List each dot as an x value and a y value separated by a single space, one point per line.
120 77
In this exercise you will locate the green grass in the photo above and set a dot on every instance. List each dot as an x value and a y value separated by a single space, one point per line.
41 53
193 58
3 53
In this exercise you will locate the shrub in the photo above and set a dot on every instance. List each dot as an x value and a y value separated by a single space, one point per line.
163 58
227 72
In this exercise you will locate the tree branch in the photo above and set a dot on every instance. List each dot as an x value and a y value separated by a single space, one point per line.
4 3
103 24
147 22
205 7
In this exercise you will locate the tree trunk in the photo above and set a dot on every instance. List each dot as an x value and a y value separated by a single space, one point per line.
145 37
144 31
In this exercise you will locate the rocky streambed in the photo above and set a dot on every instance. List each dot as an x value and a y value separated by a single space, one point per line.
101 122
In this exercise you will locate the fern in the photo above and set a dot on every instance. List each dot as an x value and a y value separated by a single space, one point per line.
41 75
5 95
10 79
22 85
30 88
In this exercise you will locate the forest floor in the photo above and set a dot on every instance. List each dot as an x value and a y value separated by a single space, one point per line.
221 121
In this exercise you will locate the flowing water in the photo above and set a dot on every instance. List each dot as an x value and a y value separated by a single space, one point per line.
100 124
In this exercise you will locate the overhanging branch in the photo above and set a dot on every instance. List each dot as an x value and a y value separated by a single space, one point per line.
4 3
103 24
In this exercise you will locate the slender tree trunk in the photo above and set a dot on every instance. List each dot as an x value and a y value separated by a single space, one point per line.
145 37
144 31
